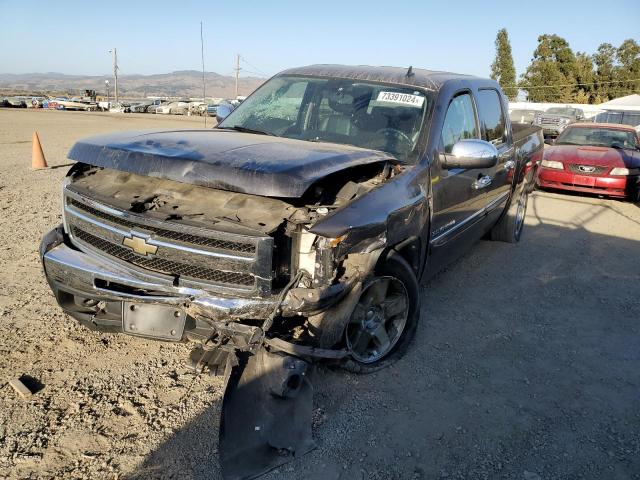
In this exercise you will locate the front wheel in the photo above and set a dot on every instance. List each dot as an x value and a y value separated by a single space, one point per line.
509 227
384 321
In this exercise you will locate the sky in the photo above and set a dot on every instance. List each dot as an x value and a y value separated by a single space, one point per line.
74 37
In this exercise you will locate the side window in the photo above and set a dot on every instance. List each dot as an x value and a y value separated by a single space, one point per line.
460 122
491 116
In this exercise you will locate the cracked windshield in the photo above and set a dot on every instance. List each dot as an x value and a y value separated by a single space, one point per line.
362 114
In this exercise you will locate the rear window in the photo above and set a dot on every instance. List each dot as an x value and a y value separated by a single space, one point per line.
625 118
492 122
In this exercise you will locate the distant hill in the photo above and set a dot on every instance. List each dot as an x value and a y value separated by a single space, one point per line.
185 83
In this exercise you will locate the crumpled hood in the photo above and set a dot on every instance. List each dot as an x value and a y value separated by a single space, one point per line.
592 155
228 160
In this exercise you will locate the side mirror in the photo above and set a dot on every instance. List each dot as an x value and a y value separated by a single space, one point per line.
549 141
470 154
223 111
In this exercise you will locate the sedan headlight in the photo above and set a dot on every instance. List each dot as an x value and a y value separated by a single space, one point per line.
553 164
619 171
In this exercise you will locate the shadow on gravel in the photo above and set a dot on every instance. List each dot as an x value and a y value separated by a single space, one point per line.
525 365
189 453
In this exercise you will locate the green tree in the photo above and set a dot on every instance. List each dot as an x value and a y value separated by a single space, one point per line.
585 77
551 76
627 71
502 68
605 71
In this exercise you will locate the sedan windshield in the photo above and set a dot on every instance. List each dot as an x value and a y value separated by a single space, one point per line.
363 114
598 137
570 112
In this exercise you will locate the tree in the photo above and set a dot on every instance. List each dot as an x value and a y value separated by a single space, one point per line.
604 60
502 68
628 68
585 78
551 75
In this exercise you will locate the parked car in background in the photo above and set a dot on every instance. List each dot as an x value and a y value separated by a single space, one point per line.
156 103
140 107
119 107
146 106
212 108
601 158
16 102
622 117
523 116
196 108
36 102
554 120
155 106
173 108
65 103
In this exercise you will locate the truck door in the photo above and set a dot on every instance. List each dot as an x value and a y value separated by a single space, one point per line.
459 194
493 129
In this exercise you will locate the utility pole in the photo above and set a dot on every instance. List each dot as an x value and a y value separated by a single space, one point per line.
203 82
237 69
115 70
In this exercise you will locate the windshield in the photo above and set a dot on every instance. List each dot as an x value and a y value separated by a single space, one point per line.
562 111
626 118
597 136
363 114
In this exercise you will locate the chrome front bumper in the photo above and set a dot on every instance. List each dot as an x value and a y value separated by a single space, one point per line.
91 289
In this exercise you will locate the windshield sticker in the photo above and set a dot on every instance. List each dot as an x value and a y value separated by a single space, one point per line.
402 98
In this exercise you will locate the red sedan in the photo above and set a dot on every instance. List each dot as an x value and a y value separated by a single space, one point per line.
598 158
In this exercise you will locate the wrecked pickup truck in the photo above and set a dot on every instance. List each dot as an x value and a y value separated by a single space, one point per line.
296 231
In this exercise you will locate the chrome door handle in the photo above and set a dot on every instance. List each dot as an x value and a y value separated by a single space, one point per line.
509 164
482 182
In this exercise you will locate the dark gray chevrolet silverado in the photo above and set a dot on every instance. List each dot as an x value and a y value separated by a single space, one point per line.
297 230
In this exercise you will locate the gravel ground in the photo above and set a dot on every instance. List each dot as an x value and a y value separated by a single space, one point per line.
525 364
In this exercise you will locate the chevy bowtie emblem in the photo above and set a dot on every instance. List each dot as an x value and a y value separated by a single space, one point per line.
139 245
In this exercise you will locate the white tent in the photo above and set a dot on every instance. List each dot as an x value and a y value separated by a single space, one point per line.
628 103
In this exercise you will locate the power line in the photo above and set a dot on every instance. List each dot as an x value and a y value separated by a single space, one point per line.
260 72
618 91
631 80
251 71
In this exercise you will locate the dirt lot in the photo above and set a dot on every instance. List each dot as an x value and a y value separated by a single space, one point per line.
525 364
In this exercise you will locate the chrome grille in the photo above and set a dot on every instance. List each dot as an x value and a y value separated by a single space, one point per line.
169 234
596 171
550 120
162 265
226 261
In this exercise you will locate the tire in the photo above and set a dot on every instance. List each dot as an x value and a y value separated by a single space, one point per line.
400 276
510 226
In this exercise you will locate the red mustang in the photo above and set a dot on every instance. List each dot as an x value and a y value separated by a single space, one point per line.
601 158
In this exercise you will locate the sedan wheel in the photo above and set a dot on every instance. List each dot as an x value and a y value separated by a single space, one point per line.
378 320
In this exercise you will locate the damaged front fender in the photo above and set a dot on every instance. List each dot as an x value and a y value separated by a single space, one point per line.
381 218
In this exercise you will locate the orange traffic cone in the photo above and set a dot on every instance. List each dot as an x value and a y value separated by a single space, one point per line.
37 155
